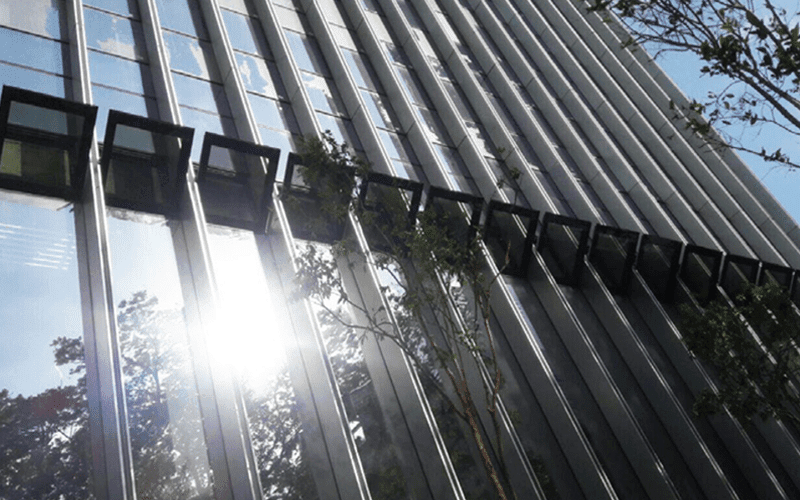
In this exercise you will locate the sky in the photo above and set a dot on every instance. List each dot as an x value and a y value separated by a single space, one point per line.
684 69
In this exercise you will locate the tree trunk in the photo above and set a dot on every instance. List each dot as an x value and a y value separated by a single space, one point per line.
486 459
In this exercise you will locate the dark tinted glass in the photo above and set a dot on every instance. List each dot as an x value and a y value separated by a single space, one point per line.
563 244
658 261
612 255
737 273
507 236
700 270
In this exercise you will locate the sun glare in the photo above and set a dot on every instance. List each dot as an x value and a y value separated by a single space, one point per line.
250 331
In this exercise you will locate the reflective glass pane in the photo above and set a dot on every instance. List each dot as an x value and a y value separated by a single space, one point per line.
124 7
182 15
700 270
44 424
342 130
120 73
562 246
323 96
191 56
43 17
306 53
412 86
376 449
34 52
252 347
170 459
34 80
379 110
260 76
115 35
205 122
245 34
360 71
281 140
657 263
242 6
272 113
201 94
106 99
432 125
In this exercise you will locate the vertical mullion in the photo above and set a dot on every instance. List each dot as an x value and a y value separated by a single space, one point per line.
111 456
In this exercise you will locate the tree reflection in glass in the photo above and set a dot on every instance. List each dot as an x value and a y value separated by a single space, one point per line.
170 458
250 345
44 426
377 451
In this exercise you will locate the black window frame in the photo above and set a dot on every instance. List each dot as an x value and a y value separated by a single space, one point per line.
74 191
571 276
519 268
205 172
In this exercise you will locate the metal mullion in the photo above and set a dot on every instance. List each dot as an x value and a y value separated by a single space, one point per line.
410 123
333 451
350 95
111 457
228 454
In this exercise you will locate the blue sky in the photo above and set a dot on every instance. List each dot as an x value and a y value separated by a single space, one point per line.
684 69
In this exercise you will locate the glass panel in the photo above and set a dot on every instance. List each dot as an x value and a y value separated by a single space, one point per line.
562 247
377 451
182 15
738 272
206 122
245 34
45 146
106 99
34 52
201 94
379 110
409 82
191 56
242 6
124 7
342 130
273 114
361 72
779 275
432 125
121 73
43 17
506 239
657 265
700 270
260 76
322 95
115 35
34 80
306 53
612 256
281 140
170 459
253 348
44 423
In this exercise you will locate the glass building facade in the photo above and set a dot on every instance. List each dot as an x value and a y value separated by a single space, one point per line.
151 344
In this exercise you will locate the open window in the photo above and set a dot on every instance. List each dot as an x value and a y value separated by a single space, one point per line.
613 254
773 273
144 163
509 232
317 201
700 271
455 212
388 206
658 263
44 143
236 179
737 272
563 243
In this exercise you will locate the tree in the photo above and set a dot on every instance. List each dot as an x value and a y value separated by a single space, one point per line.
433 276
752 347
754 43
